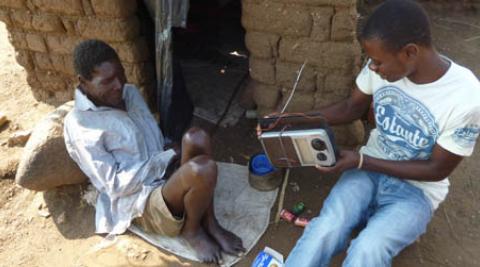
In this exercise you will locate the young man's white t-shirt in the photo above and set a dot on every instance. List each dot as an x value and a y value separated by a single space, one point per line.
411 118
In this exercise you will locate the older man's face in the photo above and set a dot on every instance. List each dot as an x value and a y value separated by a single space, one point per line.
106 86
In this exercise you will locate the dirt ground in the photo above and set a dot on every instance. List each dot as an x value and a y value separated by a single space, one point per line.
56 228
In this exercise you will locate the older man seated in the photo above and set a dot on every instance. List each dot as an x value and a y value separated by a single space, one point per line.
113 137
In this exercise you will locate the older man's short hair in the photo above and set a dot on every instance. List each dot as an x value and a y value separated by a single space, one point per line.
90 54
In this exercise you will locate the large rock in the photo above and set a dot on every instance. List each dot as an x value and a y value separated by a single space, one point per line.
45 162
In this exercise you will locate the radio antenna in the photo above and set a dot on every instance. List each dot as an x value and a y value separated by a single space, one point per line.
294 87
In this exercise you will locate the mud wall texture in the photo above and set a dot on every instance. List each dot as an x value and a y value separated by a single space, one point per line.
45 32
456 4
283 34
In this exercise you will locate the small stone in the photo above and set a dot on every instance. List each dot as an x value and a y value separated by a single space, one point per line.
295 187
19 138
3 119
44 213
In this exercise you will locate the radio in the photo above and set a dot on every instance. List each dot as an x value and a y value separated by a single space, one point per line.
298 140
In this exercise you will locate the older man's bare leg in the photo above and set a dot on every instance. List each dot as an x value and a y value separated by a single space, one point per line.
197 142
189 192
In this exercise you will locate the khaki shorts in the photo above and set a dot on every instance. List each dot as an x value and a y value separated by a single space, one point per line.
157 218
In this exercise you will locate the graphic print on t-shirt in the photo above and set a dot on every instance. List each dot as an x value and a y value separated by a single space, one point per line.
407 129
466 137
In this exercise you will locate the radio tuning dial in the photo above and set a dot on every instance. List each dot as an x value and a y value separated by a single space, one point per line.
321 156
318 144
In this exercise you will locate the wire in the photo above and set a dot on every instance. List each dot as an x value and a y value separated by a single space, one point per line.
286 115
294 87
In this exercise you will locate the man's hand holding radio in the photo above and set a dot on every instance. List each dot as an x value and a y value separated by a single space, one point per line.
347 159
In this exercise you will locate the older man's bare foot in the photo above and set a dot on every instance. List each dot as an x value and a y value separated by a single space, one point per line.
207 250
228 241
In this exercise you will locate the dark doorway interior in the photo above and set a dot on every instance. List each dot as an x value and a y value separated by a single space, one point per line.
213 58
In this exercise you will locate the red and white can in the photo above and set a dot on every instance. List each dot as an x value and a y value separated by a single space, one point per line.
287 215
302 222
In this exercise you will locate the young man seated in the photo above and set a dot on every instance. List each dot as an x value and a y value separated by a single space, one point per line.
115 140
427 113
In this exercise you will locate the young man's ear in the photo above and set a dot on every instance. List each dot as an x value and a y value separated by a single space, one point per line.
411 51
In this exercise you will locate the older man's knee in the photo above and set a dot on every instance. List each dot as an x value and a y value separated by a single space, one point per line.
195 137
204 169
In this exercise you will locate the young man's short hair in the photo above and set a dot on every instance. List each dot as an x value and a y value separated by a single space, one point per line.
89 54
398 23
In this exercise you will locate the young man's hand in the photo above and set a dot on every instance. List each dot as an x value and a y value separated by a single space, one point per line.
348 160
271 115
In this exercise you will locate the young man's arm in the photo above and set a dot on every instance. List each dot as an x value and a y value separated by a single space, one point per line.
345 111
438 167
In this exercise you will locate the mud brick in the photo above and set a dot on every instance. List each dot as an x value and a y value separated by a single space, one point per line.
5 17
64 95
62 44
52 81
132 51
24 59
20 4
287 73
35 42
47 23
338 81
39 94
335 55
32 79
265 95
343 24
342 55
67 7
69 25
344 3
18 39
321 23
323 99
114 8
22 19
42 61
87 8
261 44
301 101
320 81
310 2
262 70
264 17
110 30
139 73
62 63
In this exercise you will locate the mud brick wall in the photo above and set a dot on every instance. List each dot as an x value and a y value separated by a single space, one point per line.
45 32
454 5
282 34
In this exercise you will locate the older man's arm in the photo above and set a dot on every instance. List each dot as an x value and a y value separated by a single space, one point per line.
117 177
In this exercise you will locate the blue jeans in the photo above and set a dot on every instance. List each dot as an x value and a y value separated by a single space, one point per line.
393 212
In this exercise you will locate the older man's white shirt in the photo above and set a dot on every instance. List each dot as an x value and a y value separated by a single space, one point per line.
122 154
